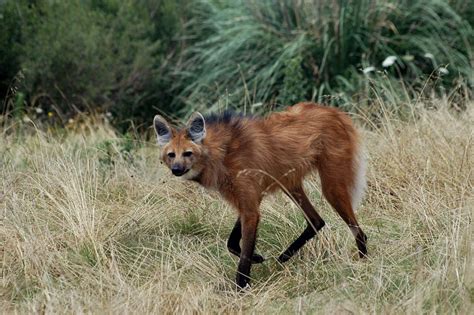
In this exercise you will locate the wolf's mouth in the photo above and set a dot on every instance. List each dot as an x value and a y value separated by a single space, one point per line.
179 172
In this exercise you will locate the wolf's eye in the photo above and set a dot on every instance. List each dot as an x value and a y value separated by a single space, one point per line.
187 153
171 155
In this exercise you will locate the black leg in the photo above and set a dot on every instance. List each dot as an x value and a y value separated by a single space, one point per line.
249 235
361 241
233 244
315 223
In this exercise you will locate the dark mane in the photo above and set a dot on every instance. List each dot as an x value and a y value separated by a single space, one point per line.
225 117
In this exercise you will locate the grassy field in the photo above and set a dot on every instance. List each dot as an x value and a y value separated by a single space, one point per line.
91 222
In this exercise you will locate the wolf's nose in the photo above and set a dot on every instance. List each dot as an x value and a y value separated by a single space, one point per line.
177 170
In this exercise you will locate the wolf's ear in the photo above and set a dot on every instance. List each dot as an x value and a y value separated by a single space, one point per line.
162 129
196 127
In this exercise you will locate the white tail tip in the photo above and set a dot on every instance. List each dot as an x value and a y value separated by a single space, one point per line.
359 185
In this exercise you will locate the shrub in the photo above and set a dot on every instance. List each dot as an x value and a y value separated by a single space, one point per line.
280 52
133 58
100 55
10 45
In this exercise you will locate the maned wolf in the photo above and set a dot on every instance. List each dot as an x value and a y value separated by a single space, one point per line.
245 158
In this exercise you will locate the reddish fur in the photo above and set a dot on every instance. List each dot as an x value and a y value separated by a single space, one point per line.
278 151
286 145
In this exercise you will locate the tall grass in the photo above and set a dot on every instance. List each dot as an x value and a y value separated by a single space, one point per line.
90 222
134 58
281 52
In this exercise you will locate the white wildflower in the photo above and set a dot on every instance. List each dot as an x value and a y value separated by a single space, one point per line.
368 69
390 60
108 114
39 110
70 121
443 70
429 55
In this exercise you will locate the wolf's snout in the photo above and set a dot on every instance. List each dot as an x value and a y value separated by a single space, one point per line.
178 170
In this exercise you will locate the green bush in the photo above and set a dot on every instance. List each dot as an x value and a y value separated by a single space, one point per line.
280 52
10 46
136 57
96 56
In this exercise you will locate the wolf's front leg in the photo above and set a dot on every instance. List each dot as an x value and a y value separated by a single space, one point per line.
249 221
233 244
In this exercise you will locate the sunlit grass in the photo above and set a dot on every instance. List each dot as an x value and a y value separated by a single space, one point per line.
91 222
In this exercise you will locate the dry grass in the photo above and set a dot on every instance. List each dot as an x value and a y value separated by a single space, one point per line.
87 227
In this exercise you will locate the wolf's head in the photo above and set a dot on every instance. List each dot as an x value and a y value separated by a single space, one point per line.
182 150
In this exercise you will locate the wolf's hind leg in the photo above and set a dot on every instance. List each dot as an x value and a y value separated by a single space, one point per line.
315 223
336 186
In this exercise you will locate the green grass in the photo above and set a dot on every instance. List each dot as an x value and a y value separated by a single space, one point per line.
133 58
80 236
278 53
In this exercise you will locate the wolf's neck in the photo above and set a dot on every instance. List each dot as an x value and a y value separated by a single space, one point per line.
214 173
